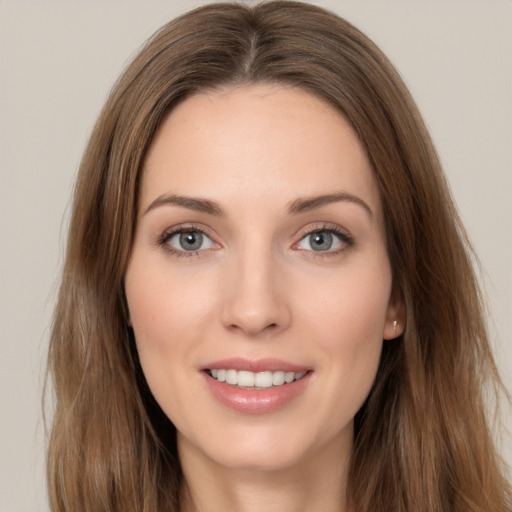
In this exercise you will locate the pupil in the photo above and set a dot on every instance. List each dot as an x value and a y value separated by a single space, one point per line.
191 241
321 241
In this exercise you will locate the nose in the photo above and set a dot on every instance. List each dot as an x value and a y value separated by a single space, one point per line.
255 300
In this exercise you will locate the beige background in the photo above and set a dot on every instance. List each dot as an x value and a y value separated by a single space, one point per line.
57 63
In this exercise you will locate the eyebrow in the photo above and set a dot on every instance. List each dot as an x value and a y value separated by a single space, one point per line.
307 204
192 203
300 205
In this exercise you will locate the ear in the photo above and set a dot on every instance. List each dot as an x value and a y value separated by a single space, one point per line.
394 325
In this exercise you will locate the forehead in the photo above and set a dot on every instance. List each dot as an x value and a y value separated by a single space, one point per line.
256 140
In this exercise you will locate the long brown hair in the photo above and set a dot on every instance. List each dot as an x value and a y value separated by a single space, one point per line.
422 440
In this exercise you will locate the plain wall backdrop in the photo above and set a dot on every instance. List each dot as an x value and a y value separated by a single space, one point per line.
58 61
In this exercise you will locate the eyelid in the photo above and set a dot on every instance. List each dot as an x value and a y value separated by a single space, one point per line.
343 236
169 233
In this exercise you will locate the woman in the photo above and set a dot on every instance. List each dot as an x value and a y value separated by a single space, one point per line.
260 308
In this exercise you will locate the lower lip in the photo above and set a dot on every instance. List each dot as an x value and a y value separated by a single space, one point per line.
256 401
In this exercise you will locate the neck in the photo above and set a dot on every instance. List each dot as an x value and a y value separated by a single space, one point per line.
317 483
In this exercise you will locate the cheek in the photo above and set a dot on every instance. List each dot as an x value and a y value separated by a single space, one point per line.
164 312
351 304
163 305
346 316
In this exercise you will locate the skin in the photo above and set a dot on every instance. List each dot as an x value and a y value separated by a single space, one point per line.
257 289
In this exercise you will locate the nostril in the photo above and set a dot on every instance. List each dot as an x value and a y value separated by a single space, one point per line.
255 329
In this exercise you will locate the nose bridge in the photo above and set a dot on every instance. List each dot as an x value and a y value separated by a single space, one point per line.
255 299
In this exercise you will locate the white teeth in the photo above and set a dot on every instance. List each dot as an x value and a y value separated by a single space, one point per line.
245 378
232 377
278 378
248 379
263 379
289 377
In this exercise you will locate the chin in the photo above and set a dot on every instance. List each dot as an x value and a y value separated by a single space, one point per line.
267 448
258 458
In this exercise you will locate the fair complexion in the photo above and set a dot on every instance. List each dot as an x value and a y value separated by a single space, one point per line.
260 244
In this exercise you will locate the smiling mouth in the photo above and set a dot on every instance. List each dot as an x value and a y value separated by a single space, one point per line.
254 380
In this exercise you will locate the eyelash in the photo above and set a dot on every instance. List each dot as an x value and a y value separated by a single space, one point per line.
343 237
346 240
167 235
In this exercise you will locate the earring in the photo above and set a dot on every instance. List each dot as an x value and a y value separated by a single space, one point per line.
394 326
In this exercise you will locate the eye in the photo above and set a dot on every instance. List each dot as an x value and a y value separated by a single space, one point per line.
187 240
324 240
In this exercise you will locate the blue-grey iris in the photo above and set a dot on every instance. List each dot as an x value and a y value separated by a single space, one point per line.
191 240
321 241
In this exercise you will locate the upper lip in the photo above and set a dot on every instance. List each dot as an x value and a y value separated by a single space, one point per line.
255 365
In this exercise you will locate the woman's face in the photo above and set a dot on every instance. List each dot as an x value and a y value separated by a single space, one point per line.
259 257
